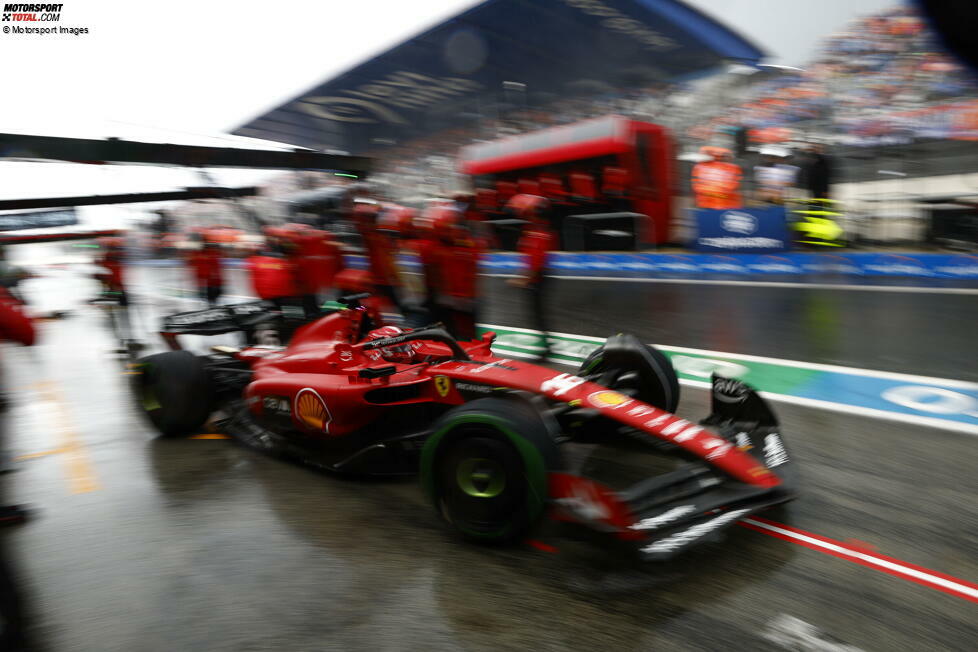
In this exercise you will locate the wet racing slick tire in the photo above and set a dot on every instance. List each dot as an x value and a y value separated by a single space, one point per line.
485 468
175 391
625 364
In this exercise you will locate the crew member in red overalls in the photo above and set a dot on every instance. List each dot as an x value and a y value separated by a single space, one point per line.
427 247
111 275
321 261
457 259
312 262
381 251
272 274
205 263
536 243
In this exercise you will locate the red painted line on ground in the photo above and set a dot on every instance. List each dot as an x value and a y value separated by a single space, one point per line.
923 576
540 545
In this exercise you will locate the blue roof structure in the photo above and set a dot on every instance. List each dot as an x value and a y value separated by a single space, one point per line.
499 55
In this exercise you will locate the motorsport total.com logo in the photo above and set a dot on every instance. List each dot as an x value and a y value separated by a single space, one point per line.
29 13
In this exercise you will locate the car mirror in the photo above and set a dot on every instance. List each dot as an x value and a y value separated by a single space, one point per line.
377 372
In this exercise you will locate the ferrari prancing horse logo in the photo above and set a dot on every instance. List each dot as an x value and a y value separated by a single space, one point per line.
442 384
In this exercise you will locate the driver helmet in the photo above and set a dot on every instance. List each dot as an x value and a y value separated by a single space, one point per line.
403 353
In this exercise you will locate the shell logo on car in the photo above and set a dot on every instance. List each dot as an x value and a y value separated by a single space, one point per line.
607 399
311 410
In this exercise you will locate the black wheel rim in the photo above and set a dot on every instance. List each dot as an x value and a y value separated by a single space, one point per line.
482 485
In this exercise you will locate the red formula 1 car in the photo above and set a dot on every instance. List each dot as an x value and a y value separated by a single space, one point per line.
497 442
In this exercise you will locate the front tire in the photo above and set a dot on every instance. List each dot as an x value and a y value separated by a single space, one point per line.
625 364
175 391
485 468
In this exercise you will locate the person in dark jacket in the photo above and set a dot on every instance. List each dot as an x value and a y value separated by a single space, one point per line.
817 172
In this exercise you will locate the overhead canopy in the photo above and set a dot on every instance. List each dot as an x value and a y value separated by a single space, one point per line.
209 192
23 147
498 56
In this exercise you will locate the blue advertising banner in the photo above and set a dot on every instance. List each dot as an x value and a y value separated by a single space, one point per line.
862 264
636 265
741 229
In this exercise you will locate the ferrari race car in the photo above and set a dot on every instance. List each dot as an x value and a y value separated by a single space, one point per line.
497 442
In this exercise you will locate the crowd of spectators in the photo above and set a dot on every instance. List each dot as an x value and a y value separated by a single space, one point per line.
881 79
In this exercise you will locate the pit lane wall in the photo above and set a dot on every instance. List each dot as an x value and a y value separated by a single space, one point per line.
855 264
936 402
637 265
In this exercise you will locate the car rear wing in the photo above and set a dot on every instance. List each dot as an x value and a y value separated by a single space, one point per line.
221 319
241 317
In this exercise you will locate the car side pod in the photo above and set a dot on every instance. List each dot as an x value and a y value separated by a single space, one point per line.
680 509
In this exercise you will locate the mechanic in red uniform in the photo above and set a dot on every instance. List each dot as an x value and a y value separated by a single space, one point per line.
458 263
537 241
272 274
205 263
111 275
320 260
381 251
301 246
426 246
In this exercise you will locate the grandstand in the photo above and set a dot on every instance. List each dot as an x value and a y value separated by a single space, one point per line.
897 112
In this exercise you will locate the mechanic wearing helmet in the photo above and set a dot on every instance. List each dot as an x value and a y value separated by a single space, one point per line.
537 241
716 182
205 263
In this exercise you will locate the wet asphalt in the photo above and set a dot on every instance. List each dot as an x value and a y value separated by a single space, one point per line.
141 543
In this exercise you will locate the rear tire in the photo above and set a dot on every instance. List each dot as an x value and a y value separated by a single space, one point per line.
485 468
175 391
